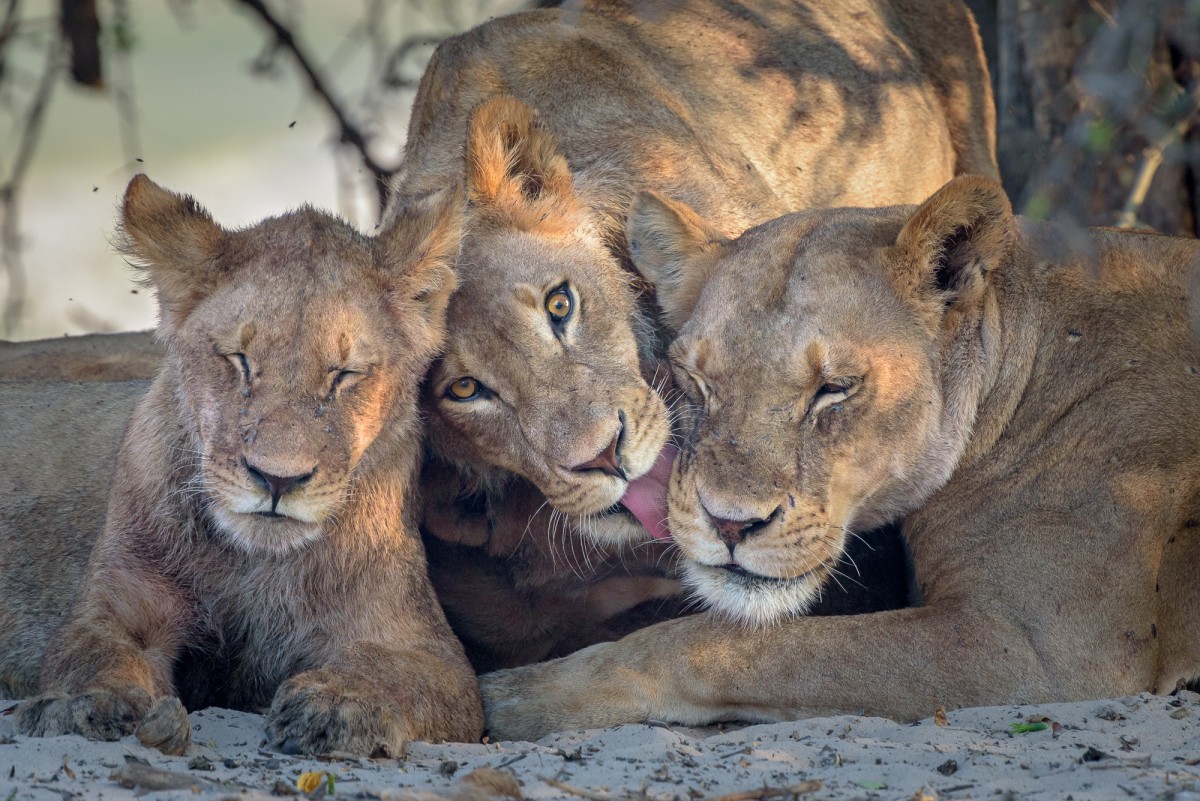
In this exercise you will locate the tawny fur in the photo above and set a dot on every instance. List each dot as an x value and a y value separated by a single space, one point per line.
556 119
559 117
745 112
293 348
93 357
1026 403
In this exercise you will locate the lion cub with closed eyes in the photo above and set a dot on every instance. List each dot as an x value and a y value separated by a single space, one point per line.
261 547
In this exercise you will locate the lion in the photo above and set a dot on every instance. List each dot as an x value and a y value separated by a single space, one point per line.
552 376
517 585
125 356
1025 399
552 372
261 544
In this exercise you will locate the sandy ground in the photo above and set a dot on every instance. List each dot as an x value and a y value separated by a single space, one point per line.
1143 747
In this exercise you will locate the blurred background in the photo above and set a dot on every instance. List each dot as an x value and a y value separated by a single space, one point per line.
258 106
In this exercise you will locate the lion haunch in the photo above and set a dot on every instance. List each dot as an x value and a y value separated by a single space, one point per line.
260 542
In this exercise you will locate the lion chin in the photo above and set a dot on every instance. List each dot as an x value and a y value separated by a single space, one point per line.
265 532
751 598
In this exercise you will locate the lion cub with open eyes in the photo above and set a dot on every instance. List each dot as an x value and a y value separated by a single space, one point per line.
261 547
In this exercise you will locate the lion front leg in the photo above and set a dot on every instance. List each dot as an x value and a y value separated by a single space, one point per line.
701 669
373 700
109 668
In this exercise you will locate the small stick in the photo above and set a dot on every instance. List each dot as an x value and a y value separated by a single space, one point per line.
758 794
136 775
769 792
579 791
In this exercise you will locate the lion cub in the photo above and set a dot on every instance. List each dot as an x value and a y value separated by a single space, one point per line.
261 547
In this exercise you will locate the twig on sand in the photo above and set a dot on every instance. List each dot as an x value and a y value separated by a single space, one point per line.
579 791
757 794
769 792
135 775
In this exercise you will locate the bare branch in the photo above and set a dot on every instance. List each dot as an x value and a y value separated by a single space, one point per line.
1152 159
349 132
10 232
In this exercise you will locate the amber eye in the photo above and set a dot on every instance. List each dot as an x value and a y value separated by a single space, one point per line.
558 304
463 389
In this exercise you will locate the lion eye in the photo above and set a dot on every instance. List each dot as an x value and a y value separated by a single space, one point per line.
464 389
241 364
559 304
832 393
344 379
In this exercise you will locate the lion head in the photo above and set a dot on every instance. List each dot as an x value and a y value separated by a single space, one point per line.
542 371
295 345
829 356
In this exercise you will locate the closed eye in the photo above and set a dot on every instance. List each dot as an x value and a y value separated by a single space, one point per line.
344 379
832 393
241 364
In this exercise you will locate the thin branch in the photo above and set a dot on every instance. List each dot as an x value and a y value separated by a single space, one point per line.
1152 160
349 133
9 26
123 89
10 229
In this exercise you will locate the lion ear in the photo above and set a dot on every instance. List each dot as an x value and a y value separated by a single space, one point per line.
675 249
952 243
417 251
175 241
513 161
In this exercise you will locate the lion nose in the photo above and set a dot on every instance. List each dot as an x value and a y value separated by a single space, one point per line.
277 486
735 532
608 461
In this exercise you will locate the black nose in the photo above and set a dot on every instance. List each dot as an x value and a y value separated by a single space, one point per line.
734 532
277 486
608 461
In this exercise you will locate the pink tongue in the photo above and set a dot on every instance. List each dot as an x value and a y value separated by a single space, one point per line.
646 497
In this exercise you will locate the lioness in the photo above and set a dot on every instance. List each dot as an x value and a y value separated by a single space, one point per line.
260 546
1028 408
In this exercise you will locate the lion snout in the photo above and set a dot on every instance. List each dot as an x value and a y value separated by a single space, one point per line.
734 532
277 481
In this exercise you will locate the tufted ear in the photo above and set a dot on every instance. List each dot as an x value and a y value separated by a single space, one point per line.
418 249
675 249
515 168
953 241
175 242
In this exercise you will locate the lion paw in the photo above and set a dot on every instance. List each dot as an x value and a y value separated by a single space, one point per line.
166 727
319 713
98 714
